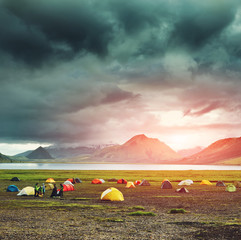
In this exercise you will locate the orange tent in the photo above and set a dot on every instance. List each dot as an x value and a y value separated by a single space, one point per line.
130 185
137 182
96 181
50 180
122 181
71 180
165 180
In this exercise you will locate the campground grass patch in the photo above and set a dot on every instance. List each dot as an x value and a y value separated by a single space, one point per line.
177 210
141 213
137 208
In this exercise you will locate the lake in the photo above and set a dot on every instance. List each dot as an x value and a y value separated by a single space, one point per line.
61 166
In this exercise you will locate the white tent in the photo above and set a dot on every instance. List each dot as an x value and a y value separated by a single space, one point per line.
68 182
102 180
27 191
185 182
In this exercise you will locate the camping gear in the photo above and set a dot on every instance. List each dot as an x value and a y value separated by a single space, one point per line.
137 182
68 182
145 183
231 188
182 190
112 194
12 188
27 191
49 186
50 180
220 184
15 179
122 181
205 182
72 180
166 185
130 185
68 187
186 182
77 180
96 181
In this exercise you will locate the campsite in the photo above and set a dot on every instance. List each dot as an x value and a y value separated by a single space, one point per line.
206 212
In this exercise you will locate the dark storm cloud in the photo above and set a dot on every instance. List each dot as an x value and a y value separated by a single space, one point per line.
70 68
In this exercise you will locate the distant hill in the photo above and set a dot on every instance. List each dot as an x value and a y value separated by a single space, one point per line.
217 153
39 153
23 154
189 152
69 152
5 159
139 149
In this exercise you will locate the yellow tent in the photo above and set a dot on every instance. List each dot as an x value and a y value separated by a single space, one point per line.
130 185
205 182
112 194
51 180
49 186
26 191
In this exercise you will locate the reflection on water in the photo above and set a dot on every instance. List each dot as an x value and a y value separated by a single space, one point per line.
61 166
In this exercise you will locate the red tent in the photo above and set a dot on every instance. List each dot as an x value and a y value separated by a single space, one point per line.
68 187
137 182
122 181
71 180
96 181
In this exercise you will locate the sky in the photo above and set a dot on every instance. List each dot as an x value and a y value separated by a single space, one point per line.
83 72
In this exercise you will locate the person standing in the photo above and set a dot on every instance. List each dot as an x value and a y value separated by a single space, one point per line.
43 187
61 191
54 191
36 190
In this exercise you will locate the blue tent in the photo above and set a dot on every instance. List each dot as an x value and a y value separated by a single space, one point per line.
12 188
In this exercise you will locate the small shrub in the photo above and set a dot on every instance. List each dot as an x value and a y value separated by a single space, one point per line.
177 210
141 213
137 208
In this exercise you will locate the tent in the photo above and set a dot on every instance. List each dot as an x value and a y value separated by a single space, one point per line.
72 180
112 194
12 188
237 184
16 179
112 180
27 191
145 183
68 187
164 180
50 180
122 181
137 182
68 182
77 180
166 185
220 184
186 182
182 190
130 185
49 186
205 182
231 188
102 180
96 181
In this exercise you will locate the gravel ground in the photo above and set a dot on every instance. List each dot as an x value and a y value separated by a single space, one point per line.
212 213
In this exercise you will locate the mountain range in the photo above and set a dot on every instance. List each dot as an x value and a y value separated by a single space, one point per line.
219 152
139 149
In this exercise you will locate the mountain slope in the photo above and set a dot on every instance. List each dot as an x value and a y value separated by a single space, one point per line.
139 149
39 153
4 159
217 152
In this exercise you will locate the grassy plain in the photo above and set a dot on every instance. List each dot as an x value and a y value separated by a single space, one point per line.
210 211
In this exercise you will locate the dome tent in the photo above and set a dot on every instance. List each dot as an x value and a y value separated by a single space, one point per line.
205 182
130 185
12 188
27 191
112 194
220 184
16 179
166 185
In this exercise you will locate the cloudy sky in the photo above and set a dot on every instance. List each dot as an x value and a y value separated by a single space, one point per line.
81 72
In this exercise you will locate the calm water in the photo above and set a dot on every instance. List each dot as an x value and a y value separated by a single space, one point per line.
56 166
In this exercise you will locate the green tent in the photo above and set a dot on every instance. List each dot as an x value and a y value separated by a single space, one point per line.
231 188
